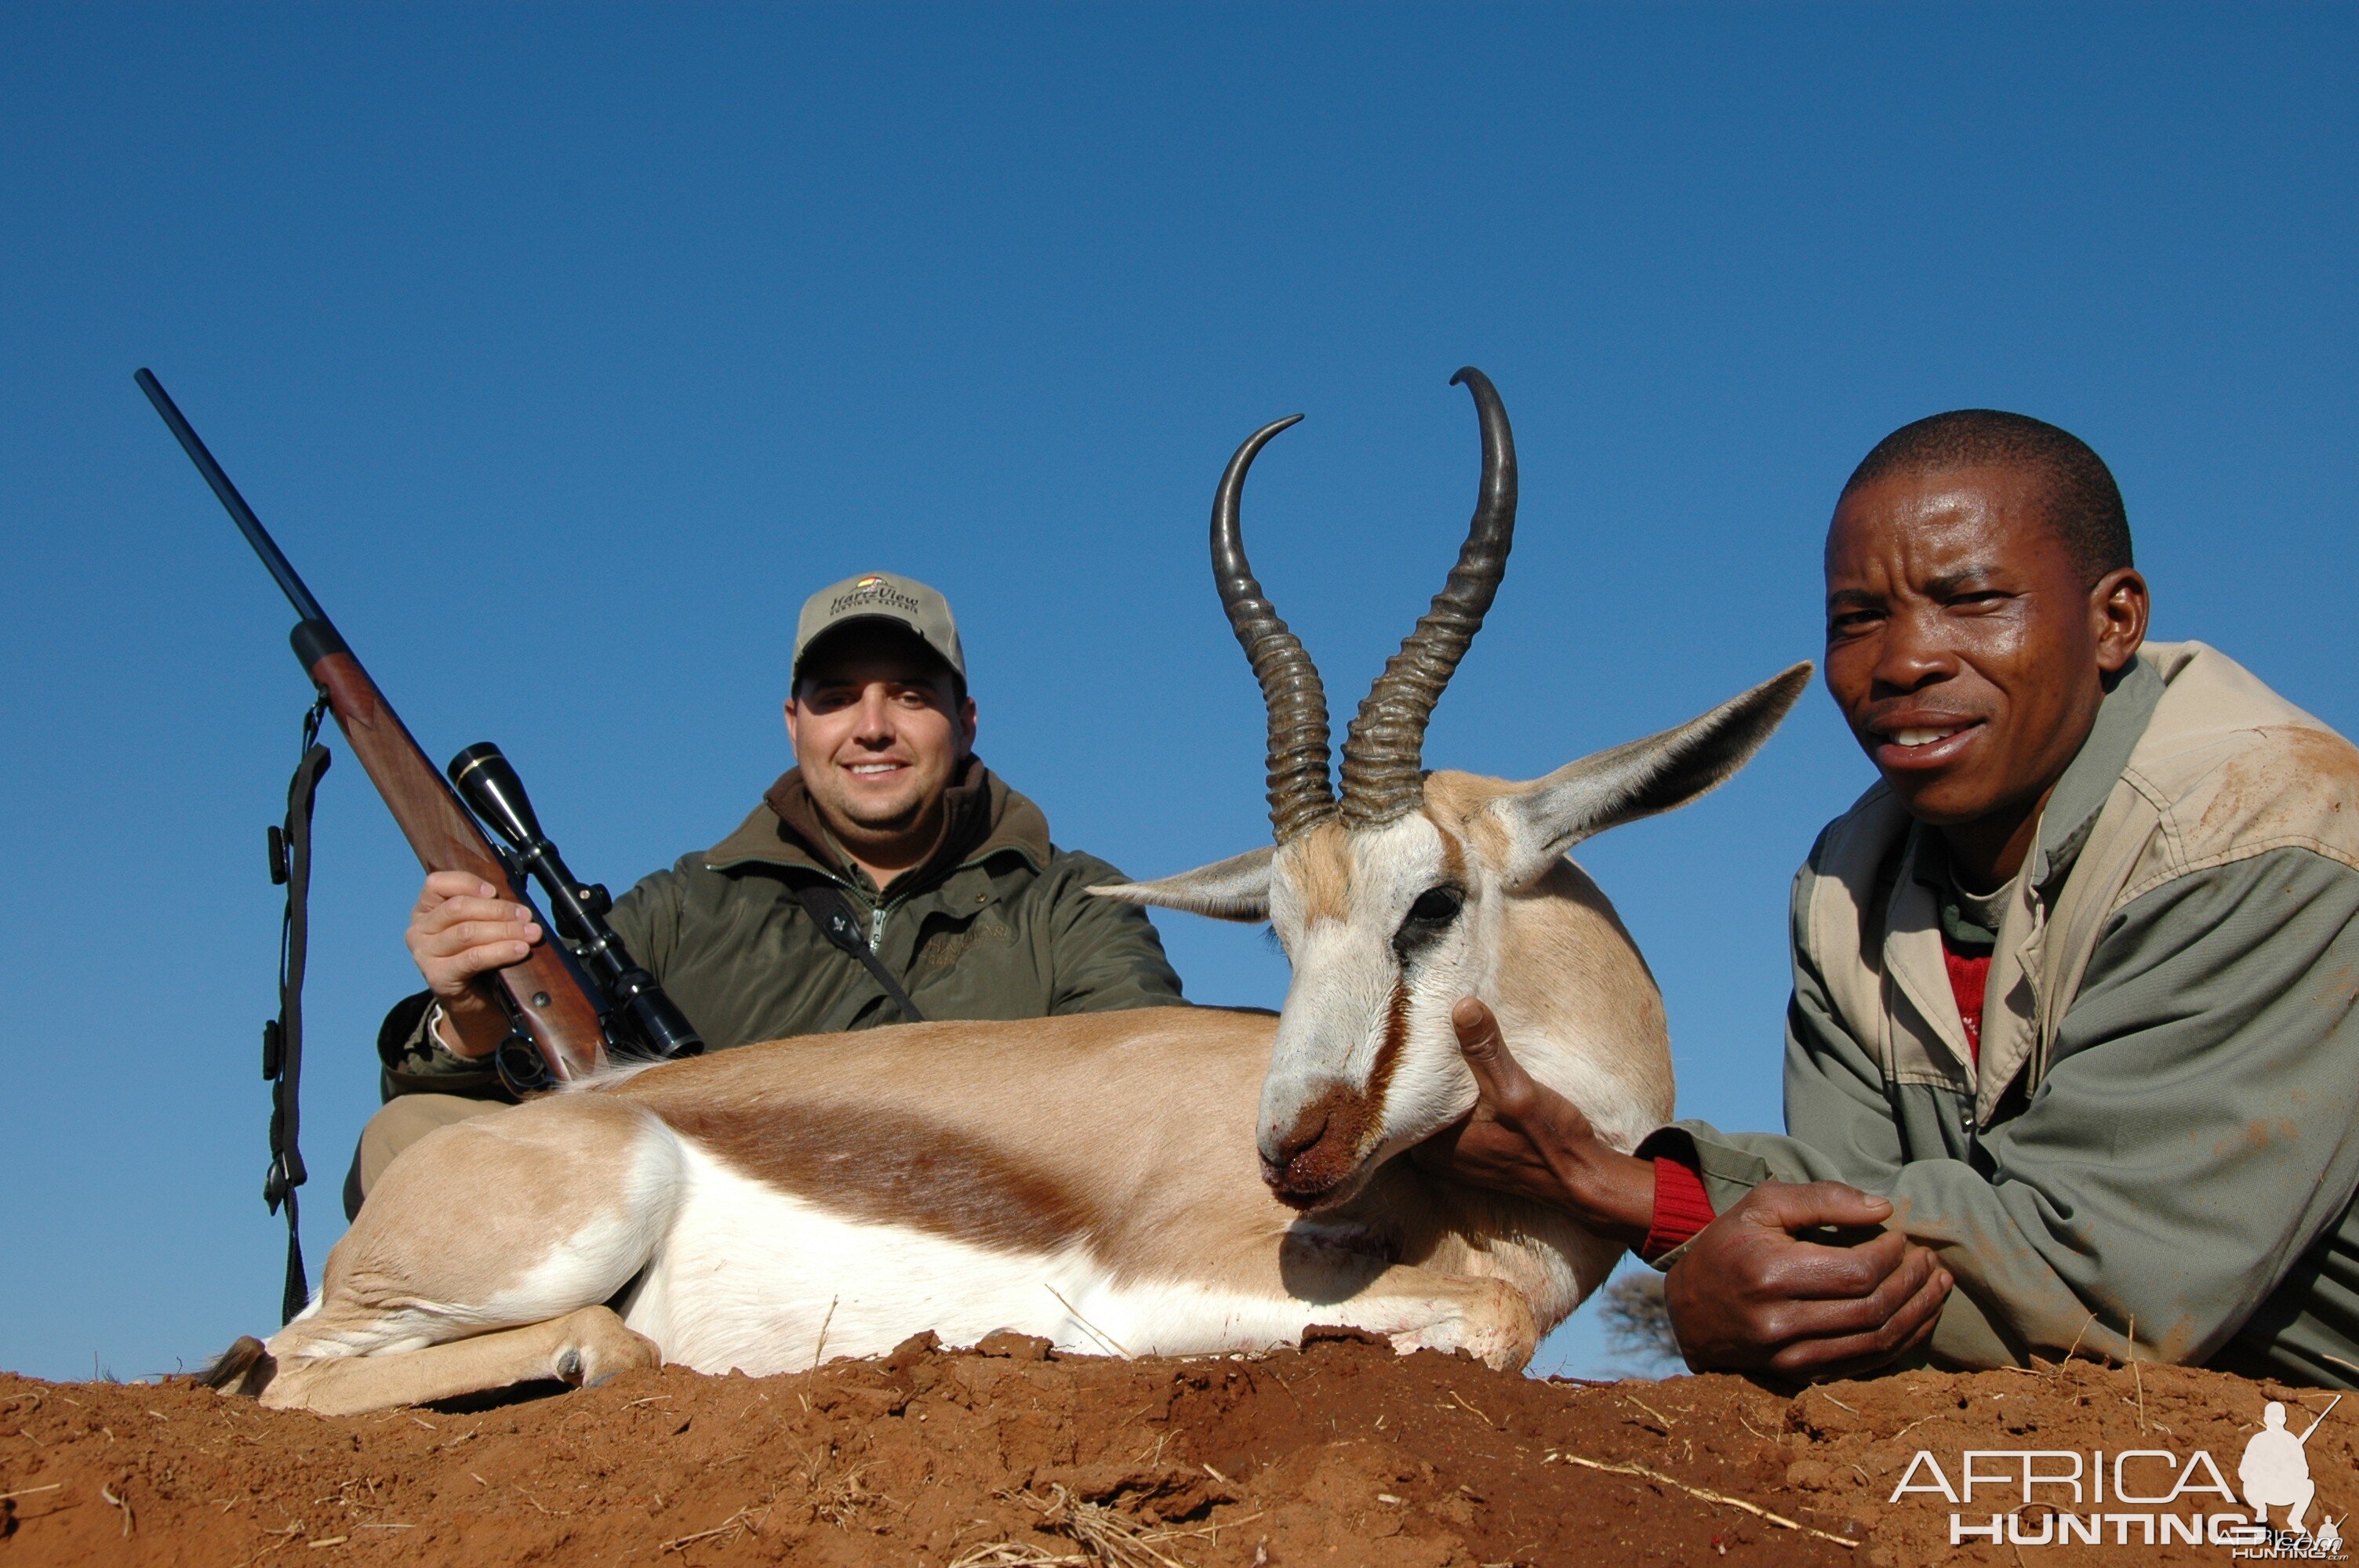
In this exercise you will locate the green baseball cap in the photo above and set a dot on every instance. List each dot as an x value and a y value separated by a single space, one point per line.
881 596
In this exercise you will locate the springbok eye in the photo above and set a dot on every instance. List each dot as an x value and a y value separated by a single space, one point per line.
1436 906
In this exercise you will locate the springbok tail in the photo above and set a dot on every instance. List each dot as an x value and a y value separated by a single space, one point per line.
245 1367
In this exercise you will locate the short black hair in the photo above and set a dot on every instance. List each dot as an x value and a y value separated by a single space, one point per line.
2084 504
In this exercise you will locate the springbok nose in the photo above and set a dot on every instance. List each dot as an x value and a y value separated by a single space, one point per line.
1306 1131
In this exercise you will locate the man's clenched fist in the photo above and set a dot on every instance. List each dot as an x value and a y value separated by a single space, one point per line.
1749 1295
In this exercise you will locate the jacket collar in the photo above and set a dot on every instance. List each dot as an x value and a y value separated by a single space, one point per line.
1912 942
986 819
2088 781
2081 792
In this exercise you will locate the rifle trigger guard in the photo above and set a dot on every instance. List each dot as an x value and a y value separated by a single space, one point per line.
523 1070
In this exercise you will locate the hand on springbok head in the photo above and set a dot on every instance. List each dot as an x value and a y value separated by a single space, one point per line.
1525 1139
1387 927
1750 1294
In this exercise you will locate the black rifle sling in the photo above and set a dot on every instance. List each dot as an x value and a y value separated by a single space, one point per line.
825 904
282 1037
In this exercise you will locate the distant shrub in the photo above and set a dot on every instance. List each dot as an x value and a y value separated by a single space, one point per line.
1637 1325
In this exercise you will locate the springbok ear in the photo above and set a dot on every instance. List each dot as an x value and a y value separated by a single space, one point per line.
1549 816
1234 888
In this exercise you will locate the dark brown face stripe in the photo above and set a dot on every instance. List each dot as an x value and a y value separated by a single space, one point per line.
1348 1120
1388 1053
879 1167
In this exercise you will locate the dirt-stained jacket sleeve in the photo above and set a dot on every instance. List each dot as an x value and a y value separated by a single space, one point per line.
1842 1126
2197 1132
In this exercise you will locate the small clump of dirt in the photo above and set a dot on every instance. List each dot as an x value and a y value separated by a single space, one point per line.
1339 1453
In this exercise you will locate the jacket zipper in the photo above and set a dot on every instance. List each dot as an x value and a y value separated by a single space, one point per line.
878 912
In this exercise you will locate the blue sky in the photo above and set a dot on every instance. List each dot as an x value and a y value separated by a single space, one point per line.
566 347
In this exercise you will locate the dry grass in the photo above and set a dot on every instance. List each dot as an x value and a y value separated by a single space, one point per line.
1009 1555
1106 1538
840 1502
742 1522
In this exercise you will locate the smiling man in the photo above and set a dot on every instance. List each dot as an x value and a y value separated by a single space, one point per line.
947 898
2073 1055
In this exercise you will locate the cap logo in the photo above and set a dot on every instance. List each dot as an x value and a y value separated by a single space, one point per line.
873 592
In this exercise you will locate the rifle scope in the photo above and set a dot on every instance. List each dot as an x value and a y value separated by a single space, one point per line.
487 782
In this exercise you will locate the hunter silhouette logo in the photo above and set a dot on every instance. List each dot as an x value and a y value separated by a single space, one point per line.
2137 1496
2275 1473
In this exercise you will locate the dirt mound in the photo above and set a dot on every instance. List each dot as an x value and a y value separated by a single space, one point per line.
1340 1453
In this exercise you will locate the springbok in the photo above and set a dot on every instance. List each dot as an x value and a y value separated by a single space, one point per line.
1104 1181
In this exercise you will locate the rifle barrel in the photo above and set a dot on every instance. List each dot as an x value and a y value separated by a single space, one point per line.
544 988
280 567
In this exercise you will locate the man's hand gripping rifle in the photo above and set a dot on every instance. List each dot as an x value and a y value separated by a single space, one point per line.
636 1009
563 1019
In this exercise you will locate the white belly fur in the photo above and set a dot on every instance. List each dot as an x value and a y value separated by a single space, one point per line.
749 1277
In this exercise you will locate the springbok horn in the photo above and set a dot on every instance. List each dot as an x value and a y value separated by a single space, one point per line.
1383 776
1300 795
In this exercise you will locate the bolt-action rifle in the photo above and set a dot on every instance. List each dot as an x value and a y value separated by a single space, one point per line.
564 1011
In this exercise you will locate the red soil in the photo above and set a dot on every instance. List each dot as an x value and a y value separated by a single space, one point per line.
1338 1453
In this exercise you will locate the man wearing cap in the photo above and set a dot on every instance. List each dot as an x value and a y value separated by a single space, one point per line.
942 880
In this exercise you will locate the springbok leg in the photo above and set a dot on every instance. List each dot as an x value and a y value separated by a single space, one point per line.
584 1348
1418 1309
482 1259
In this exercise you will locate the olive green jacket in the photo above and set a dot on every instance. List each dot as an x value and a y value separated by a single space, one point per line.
1003 930
2162 1127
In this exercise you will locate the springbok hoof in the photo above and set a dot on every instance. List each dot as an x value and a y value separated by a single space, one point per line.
597 1346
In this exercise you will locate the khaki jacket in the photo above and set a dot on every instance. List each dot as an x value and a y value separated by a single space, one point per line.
1000 927
2163 1125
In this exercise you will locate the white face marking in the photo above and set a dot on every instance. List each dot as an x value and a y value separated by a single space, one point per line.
1358 936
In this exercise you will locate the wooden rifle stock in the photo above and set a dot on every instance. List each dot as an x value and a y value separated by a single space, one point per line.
545 996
